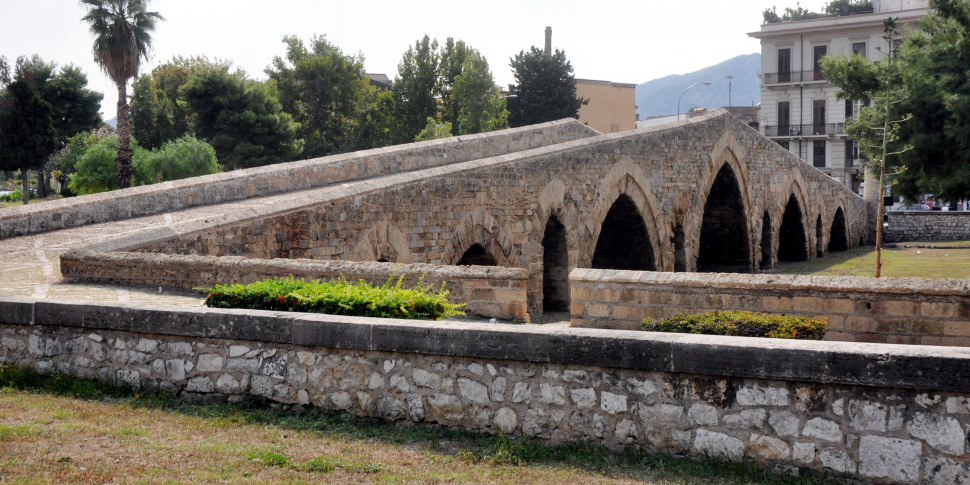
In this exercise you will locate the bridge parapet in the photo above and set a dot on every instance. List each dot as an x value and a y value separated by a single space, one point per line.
859 309
280 178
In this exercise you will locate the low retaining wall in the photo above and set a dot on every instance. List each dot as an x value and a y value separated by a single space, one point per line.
882 413
284 177
489 291
890 310
927 226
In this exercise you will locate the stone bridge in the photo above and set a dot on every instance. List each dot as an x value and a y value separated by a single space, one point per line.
707 194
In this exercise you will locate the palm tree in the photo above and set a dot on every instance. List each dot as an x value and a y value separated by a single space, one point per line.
122 38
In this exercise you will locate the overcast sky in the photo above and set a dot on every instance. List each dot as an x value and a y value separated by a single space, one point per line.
631 41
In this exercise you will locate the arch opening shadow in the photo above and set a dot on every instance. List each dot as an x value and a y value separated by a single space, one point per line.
477 255
765 241
792 243
838 236
819 245
555 267
623 242
724 230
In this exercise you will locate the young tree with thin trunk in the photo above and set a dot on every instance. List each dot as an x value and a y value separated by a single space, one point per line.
122 38
876 130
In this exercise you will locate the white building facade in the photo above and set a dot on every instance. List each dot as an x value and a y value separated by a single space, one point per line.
800 110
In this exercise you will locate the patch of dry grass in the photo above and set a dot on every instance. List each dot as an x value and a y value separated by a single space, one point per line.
55 437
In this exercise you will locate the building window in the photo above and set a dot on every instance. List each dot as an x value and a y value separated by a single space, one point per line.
818 117
859 49
784 65
784 144
784 117
818 154
819 53
850 155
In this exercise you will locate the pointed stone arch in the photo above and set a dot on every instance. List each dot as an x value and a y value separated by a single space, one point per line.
724 241
839 232
792 236
553 203
480 228
623 241
555 267
627 179
383 242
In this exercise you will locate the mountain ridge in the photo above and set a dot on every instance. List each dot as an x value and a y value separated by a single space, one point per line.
658 97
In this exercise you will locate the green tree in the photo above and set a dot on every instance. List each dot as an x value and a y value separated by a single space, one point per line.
372 125
321 88
122 38
74 108
481 105
27 135
876 129
544 89
156 115
450 66
935 66
241 118
415 90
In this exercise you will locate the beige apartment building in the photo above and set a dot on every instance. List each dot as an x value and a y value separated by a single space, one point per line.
611 108
799 107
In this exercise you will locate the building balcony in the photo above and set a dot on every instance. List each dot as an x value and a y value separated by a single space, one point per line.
796 77
804 131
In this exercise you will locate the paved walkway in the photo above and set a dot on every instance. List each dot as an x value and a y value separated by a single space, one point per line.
30 265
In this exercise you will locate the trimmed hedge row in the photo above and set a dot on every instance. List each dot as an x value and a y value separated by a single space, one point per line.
337 297
742 324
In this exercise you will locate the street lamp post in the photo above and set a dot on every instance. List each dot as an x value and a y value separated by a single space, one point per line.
706 83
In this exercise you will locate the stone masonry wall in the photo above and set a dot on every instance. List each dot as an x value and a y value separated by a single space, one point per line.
890 310
284 177
927 226
487 291
881 413
504 204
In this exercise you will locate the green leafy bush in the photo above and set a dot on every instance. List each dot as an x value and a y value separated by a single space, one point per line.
17 195
742 324
97 170
338 297
177 159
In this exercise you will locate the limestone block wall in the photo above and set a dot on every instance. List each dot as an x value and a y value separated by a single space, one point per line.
879 413
927 226
505 203
890 310
487 291
284 177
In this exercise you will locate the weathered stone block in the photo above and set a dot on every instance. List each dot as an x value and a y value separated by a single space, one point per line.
892 458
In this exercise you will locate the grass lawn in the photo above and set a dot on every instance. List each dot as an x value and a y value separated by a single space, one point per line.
64 430
906 261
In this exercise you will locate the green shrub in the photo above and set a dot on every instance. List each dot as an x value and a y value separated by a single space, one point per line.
177 159
17 195
97 170
338 297
742 324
